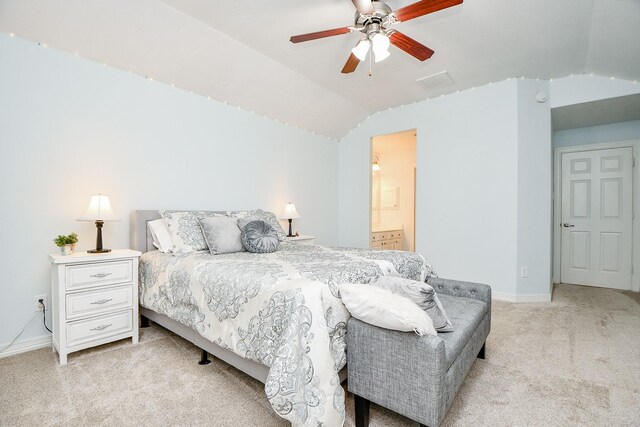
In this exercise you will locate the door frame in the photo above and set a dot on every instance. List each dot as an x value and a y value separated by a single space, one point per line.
557 204
415 186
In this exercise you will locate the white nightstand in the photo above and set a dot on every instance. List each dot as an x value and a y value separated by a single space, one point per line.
94 299
302 239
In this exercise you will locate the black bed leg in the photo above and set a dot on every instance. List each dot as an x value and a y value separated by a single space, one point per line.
144 322
204 358
362 411
481 352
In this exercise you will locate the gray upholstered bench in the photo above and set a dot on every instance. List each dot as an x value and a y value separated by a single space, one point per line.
415 376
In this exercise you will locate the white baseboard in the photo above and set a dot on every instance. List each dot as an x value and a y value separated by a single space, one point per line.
27 345
504 296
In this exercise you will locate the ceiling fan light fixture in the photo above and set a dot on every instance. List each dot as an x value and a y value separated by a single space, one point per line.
361 49
380 43
381 55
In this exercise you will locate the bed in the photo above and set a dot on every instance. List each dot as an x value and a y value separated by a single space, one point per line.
277 317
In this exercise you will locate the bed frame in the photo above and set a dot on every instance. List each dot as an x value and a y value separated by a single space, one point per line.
141 240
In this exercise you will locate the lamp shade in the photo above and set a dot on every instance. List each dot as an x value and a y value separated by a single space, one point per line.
381 55
380 44
361 49
290 211
99 209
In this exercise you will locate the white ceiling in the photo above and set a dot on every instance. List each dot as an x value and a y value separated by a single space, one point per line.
601 112
238 51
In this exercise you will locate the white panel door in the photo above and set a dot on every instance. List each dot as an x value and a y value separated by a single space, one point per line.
597 217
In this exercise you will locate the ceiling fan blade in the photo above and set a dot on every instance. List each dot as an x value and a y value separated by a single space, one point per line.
320 35
351 64
409 45
363 6
423 7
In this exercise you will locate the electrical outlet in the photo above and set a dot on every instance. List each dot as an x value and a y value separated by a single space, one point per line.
37 299
524 272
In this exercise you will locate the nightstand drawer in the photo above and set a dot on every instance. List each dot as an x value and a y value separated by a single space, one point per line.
96 302
83 331
98 274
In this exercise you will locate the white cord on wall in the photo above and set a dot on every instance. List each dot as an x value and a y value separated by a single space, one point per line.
18 336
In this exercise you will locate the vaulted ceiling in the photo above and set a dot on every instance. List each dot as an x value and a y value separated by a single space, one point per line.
238 51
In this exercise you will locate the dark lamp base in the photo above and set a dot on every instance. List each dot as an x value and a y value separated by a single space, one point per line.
290 232
99 249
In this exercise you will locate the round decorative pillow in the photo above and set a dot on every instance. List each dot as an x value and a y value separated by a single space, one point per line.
260 237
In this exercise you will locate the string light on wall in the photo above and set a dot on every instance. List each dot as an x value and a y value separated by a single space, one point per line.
461 90
226 102
151 79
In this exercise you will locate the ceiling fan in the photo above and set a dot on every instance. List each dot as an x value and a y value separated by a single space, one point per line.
374 19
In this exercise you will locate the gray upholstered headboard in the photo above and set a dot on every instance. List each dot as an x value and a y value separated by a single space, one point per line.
140 237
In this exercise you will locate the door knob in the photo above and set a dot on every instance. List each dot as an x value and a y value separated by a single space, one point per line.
567 225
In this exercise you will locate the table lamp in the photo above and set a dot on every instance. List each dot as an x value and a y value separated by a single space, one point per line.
99 210
290 213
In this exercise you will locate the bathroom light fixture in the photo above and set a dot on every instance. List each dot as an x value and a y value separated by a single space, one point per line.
375 167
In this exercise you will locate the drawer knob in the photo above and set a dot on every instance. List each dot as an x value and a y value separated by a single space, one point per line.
102 301
101 275
101 327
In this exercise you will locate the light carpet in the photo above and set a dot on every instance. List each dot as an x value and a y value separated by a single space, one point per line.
572 362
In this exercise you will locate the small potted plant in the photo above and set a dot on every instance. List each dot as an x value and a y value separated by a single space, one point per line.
67 244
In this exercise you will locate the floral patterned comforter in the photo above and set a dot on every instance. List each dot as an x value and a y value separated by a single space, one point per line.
282 310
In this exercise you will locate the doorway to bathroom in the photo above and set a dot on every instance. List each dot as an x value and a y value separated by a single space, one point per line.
393 191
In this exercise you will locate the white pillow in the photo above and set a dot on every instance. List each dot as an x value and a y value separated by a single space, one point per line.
161 235
385 309
422 294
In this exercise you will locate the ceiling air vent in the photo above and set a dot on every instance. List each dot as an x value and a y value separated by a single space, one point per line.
436 81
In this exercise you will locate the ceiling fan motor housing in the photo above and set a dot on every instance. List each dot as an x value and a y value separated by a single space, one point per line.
380 19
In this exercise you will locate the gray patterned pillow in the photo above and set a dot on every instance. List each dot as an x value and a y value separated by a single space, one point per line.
185 230
222 235
259 237
420 293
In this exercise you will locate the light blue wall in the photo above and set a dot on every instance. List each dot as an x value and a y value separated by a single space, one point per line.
466 183
594 134
534 190
70 127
